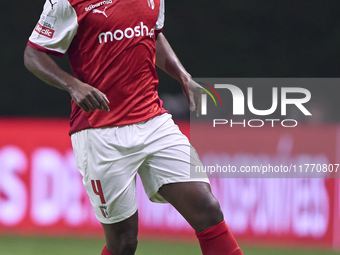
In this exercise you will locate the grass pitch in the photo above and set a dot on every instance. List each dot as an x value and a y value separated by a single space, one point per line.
10 245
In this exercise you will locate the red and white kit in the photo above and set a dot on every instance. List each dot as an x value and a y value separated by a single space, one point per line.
111 46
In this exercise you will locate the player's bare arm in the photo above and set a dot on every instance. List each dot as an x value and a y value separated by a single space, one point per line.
45 68
167 60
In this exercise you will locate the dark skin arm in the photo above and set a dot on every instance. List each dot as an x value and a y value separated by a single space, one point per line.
167 60
84 95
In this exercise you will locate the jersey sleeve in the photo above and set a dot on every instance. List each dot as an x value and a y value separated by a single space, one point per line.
161 17
55 29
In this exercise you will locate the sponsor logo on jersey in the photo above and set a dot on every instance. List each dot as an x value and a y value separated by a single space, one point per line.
45 31
52 4
92 6
99 11
151 4
47 21
137 31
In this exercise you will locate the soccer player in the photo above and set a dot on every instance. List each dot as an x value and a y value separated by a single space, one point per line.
118 125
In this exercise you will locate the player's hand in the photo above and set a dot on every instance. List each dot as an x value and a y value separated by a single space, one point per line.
193 92
89 98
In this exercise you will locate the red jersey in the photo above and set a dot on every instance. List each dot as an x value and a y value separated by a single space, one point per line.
111 46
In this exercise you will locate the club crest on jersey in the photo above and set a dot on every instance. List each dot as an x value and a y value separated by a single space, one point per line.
103 209
151 4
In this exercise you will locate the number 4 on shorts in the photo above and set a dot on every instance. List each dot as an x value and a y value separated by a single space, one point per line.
97 189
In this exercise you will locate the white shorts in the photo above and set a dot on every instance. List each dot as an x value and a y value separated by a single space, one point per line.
109 159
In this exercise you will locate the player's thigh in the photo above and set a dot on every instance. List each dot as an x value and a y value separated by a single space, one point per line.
169 165
170 159
166 178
